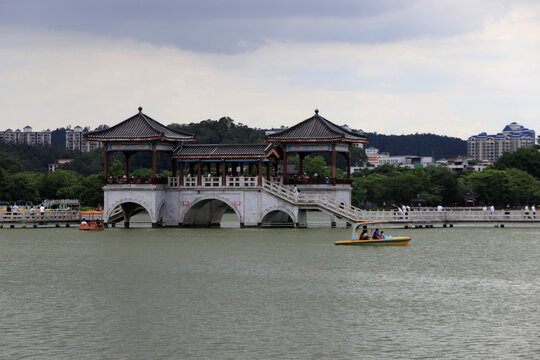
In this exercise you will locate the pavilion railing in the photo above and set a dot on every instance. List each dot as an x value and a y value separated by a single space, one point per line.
217 181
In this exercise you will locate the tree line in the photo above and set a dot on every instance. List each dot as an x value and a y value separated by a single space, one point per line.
513 179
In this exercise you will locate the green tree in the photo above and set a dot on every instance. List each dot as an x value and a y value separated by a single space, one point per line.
317 165
526 159
116 169
492 186
22 186
60 184
443 185
92 191
523 186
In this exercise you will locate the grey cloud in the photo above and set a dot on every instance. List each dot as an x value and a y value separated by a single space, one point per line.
241 25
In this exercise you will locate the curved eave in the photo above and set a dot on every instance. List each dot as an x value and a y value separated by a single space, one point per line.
192 157
339 139
271 154
158 138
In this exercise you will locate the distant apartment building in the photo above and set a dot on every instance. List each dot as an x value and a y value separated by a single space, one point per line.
74 140
491 147
26 136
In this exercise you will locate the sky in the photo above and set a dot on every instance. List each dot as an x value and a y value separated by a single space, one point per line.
449 67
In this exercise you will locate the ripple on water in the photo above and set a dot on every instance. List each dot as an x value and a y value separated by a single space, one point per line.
283 293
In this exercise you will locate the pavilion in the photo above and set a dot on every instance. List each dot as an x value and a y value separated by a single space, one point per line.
317 134
224 162
139 133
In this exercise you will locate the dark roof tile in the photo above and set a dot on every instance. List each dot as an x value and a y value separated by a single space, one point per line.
138 127
223 150
316 128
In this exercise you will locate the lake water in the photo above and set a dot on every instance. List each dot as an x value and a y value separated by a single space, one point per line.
268 294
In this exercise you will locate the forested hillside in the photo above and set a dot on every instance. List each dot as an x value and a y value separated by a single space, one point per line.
222 131
437 146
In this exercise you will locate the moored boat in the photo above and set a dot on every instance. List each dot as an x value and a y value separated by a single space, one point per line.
91 220
357 240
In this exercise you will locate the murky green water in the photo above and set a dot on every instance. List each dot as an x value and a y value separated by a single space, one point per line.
268 294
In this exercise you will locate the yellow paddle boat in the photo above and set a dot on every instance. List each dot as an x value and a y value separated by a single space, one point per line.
361 228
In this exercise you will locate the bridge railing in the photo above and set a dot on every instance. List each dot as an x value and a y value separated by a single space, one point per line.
451 215
27 216
241 181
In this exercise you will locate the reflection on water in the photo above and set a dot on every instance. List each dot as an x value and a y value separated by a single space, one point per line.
268 294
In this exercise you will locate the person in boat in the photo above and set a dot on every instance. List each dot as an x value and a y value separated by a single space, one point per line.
364 235
376 234
83 222
382 235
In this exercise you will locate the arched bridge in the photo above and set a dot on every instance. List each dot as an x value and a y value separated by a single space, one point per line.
269 204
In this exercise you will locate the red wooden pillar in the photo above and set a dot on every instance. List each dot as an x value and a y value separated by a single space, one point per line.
268 170
285 165
181 182
199 173
223 173
126 164
173 166
106 163
259 173
301 157
154 160
349 162
334 163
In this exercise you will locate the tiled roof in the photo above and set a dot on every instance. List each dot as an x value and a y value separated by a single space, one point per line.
315 129
138 127
224 151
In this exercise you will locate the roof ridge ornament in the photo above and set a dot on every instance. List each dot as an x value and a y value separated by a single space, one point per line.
317 111
140 109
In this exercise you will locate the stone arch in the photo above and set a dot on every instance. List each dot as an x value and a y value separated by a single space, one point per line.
278 217
159 212
130 208
208 211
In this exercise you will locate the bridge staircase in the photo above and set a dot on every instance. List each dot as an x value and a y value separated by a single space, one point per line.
323 202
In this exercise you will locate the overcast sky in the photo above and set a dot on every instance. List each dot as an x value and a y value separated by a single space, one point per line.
395 67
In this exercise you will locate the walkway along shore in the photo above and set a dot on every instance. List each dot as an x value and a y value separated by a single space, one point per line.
416 218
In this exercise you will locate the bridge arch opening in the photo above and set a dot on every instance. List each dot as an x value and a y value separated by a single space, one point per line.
212 213
125 213
277 218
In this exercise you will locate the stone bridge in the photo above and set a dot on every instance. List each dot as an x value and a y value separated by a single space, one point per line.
270 204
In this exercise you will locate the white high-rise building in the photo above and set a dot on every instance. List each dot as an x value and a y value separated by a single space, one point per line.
74 140
27 136
491 147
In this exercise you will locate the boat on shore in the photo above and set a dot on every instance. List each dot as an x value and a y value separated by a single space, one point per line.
360 227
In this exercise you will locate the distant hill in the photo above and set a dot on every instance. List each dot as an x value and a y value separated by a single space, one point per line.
437 146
